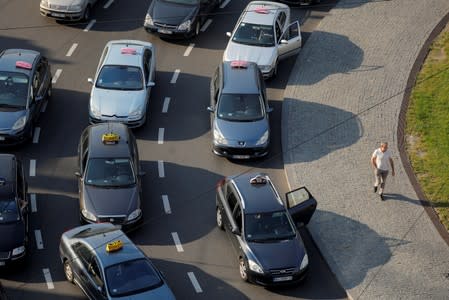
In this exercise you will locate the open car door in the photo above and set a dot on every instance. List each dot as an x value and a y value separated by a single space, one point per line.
291 41
301 205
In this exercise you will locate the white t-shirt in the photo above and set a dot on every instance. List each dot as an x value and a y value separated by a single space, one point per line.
382 158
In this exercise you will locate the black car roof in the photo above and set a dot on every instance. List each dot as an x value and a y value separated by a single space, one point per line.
9 57
259 197
99 149
7 175
238 80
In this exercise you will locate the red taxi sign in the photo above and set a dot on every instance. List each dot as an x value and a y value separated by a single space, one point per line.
23 65
239 64
129 50
262 10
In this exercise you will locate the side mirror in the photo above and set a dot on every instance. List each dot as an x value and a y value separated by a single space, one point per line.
210 109
150 84
285 42
228 34
270 109
90 80
77 174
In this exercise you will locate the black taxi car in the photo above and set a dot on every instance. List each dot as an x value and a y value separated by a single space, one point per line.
109 175
106 264
25 84
263 230
13 210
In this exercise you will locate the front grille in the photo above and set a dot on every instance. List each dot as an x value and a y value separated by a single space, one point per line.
4 255
282 272
59 7
165 26
115 219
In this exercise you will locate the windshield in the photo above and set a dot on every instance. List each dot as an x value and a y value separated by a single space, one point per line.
189 2
131 277
240 107
109 172
254 35
268 226
120 78
13 89
9 211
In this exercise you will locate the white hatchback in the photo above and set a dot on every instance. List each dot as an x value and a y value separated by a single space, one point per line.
264 35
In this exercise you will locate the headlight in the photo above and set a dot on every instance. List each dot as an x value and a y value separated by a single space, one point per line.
263 139
254 266
148 20
95 111
88 215
136 114
76 7
305 262
44 3
18 251
185 25
135 214
265 68
20 123
218 137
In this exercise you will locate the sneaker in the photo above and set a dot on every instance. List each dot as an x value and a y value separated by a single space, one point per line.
375 188
382 197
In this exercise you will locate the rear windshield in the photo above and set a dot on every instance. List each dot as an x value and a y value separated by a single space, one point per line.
13 89
240 107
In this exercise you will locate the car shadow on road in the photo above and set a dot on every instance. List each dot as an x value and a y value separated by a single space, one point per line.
425 203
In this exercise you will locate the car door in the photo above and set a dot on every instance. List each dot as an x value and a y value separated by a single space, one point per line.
96 281
291 41
301 205
80 266
37 92
22 195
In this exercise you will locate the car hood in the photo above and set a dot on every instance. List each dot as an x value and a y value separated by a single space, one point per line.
8 117
249 132
12 236
278 254
262 56
111 201
162 292
171 13
117 103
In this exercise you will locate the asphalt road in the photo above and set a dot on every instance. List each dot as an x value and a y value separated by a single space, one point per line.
180 166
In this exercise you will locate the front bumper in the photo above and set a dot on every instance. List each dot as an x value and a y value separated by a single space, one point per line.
13 138
169 32
6 259
240 153
126 225
269 280
61 15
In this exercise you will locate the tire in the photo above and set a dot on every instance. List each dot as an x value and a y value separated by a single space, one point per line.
219 219
87 13
68 272
243 270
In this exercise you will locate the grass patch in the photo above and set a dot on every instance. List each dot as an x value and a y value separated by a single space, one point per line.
428 126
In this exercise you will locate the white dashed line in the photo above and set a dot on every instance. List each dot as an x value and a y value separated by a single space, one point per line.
175 76
160 167
160 136
226 2
37 132
108 4
32 167
166 203
208 22
177 242
39 242
72 49
165 106
33 203
189 49
44 106
195 283
89 26
56 76
48 279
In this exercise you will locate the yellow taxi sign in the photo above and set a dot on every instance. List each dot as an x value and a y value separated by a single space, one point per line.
110 138
114 246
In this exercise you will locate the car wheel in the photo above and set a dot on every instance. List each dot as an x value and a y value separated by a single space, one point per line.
68 272
243 270
219 219
87 12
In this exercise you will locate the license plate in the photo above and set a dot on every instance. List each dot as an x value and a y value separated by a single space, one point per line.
2 138
241 156
285 278
2 263
165 31
58 15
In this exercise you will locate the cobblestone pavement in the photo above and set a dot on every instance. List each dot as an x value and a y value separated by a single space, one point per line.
344 97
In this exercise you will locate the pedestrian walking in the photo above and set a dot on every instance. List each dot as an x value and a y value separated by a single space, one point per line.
379 160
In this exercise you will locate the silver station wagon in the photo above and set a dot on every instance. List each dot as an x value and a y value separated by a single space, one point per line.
70 10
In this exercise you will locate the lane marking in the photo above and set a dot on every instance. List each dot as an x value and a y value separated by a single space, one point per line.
56 76
108 4
189 49
208 22
166 203
195 283
177 242
33 203
32 167
226 2
166 103
72 49
175 76
37 132
160 136
44 107
48 279
160 167
39 241
89 26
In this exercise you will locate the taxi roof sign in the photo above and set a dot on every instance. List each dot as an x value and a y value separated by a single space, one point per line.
110 138
258 179
23 65
239 64
114 246
129 50
262 10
